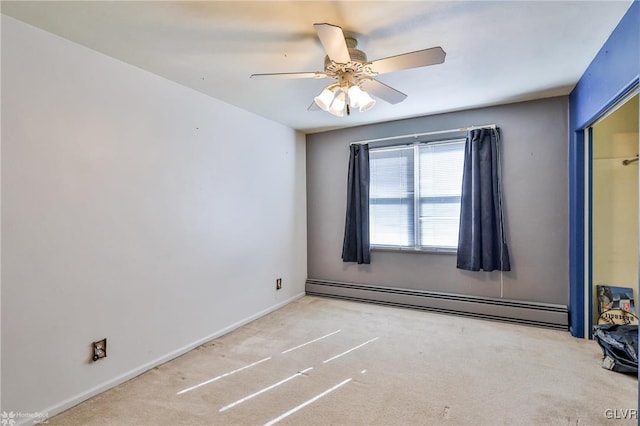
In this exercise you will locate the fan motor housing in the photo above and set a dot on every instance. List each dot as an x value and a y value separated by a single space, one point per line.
356 65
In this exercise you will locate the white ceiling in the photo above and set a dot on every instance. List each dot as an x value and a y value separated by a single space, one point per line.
497 51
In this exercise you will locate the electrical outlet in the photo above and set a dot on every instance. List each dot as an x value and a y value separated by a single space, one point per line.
99 349
278 283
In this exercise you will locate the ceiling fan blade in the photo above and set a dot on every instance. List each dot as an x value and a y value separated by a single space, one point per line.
382 91
332 39
419 58
291 75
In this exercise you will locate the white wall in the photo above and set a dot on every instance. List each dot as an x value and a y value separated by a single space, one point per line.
135 209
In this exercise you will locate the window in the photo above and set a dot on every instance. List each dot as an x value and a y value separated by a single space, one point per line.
414 195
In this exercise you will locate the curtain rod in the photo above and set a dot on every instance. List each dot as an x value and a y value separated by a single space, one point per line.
417 135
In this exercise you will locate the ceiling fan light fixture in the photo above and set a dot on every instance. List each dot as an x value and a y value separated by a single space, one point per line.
355 96
366 102
338 104
326 97
359 98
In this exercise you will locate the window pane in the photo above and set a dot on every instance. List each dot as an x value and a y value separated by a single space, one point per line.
391 197
439 223
391 173
441 168
391 223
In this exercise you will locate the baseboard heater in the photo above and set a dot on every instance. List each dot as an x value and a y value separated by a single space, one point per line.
545 315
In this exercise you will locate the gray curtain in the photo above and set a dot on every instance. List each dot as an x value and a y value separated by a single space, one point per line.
481 242
356 247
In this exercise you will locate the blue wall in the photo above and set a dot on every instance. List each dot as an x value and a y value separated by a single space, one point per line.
613 72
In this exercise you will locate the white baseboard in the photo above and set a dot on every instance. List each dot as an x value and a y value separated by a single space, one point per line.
75 400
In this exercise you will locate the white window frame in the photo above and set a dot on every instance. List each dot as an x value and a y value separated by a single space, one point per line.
416 201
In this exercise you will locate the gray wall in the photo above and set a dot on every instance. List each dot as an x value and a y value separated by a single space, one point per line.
534 158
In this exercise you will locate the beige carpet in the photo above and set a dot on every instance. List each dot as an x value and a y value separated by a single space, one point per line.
363 364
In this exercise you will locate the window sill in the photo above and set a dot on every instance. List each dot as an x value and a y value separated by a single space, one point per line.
428 250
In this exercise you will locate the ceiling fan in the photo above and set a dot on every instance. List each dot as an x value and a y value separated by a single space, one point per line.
354 74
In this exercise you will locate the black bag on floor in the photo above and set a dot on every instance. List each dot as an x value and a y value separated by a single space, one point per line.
619 345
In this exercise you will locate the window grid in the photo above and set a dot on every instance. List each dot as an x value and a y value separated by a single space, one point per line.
416 197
